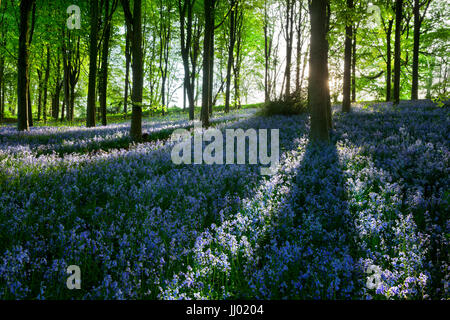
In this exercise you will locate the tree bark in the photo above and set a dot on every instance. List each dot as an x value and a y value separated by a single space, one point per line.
318 76
267 55
30 106
389 61
418 18
397 50
23 65
4 27
2 93
40 84
230 63
46 77
354 65
186 20
164 34
127 70
207 48
105 61
134 23
289 38
238 58
346 104
90 116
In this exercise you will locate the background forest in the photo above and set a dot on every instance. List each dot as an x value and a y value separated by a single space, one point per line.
258 48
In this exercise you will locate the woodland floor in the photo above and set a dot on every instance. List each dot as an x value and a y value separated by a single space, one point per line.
141 227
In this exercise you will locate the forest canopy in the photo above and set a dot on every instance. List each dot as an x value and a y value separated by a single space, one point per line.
81 54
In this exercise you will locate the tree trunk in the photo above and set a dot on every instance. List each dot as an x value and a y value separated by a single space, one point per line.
2 62
138 73
46 77
90 121
40 84
354 65
207 48
415 67
211 67
299 52
230 62
397 50
2 93
134 23
389 61
238 60
346 104
30 108
186 13
289 38
30 105
104 70
127 70
267 55
23 65
318 90
66 76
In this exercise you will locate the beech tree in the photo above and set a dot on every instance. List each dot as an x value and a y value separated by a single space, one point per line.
23 101
348 58
134 25
397 50
318 92
91 108
418 20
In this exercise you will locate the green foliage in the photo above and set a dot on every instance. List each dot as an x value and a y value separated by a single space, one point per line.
286 107
443 100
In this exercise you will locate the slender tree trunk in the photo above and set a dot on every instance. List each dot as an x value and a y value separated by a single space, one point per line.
2 93
40 84
23 65
30 105
230 62
238 60
267 55
55 102
105 61
389 61
2 62
299 51
397 50
289 37
186 21
71 108
327 82
90 117
305 61
134 22
30 109
415 67
138 72
127 70
66 75
354 65
318 91
194 61
46 77
211 67
207 48
346 104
